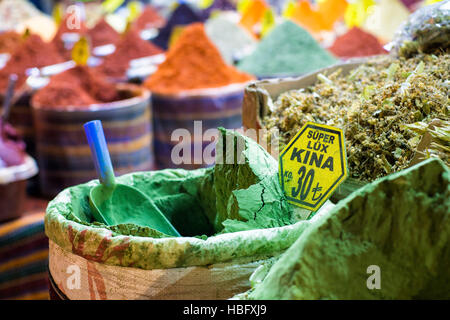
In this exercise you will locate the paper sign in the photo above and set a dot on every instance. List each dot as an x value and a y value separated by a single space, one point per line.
312 165
357 12
176 32
57 13
204 4
268 21
289 9
243 5
134 10
110 6
81 52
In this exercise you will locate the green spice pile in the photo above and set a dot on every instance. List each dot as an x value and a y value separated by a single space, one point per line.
287 50
407 238
373 105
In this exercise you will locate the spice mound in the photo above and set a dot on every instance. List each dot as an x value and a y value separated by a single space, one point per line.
330 259
12 148
356 43
8 41
130 46
149 18
374 105
68 27
193 63
287 50
32 52
78 87
102 33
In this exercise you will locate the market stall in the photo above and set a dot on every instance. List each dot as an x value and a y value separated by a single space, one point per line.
239 150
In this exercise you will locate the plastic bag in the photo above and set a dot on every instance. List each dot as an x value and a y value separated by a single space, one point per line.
425 31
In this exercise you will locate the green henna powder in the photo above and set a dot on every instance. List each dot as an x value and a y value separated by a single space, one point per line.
400 223
287 50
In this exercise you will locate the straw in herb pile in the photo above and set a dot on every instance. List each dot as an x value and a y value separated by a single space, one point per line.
373 105
287 49
193 63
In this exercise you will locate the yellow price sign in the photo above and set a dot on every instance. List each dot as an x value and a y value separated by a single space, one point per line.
134 10
81 52
312 165
58 13
110 6
289 9
357 12
243 5
204 4
176 32
268 21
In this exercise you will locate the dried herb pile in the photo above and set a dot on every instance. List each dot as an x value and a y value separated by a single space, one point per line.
373 105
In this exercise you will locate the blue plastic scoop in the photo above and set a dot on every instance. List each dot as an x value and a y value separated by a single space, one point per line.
113 203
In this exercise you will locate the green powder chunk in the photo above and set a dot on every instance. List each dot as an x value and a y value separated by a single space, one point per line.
248 195
399 224
287 50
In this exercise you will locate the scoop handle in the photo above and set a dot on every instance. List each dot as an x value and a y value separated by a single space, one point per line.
100 154
8 96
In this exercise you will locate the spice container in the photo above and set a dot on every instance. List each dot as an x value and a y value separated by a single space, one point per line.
15 168
63 155
218 249
378 105
193 90
258 95
196 112
32 52
13 186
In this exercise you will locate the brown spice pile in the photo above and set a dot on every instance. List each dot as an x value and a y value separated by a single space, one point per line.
372 105
131 46
102 33
193 63
67 25
80 86
149 18
30 53
9 40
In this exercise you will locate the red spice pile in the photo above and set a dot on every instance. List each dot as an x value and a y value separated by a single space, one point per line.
79 87
356 43
32 52
68 26
193 63
102 33
8 41
149 18
131 46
